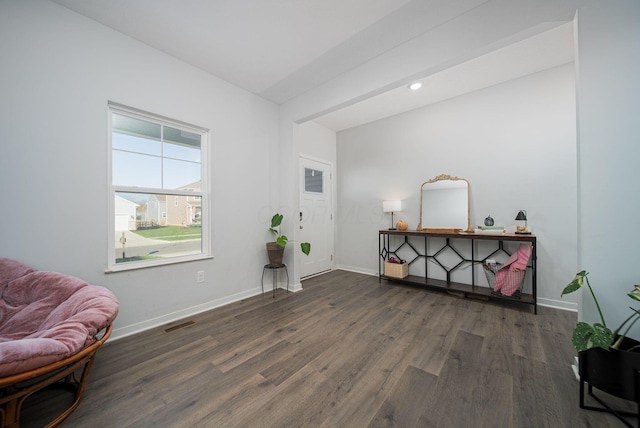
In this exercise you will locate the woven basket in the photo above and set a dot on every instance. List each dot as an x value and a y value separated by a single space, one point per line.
515 275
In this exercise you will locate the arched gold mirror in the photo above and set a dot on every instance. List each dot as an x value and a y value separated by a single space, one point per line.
444 204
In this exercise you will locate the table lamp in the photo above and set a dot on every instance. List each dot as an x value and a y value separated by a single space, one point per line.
392 207
521 223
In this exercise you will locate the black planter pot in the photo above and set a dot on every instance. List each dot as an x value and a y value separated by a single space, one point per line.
616 372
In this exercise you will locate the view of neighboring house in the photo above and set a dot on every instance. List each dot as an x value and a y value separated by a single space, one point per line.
125 213
157 209
175 210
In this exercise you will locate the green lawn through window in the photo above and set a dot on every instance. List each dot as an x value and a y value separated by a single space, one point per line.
171 233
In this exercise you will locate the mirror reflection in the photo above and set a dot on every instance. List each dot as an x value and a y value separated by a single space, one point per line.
444 204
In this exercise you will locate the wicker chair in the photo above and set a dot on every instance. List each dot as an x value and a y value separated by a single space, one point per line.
15 389
51 326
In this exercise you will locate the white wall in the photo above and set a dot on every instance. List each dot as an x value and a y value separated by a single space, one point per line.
58 72
448 42
607 106
316 141
514 142
609 150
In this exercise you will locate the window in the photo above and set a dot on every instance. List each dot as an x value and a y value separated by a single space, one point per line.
158 190
313 181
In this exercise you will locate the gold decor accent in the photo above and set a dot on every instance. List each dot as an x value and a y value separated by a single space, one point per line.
402 225
445 177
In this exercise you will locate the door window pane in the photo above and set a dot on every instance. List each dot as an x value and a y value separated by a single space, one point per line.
313 181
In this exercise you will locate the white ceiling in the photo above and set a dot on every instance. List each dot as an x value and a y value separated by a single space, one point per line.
279 49
254 44
541 52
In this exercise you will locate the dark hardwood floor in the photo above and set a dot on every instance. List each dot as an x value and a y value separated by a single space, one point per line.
345 352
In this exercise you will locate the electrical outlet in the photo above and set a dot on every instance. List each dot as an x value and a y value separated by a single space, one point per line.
200 276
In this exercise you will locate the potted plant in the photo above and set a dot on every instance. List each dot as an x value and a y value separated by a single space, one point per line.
275 250
608 360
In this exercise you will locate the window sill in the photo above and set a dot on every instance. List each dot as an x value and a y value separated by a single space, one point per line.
155 263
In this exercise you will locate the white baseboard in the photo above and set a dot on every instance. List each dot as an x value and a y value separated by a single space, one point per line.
558 304
293 287
119 333
317 274
358 270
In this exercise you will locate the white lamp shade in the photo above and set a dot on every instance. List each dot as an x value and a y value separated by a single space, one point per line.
391 206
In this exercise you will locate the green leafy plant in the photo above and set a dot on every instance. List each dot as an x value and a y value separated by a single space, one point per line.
281 239
587 336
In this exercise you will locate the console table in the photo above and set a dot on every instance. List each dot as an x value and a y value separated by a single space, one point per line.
419 247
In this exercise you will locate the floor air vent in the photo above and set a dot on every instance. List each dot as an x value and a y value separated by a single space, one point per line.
179 326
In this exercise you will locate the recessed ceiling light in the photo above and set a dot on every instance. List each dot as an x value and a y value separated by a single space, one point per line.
415 86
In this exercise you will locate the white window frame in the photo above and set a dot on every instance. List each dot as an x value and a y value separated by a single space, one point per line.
113 189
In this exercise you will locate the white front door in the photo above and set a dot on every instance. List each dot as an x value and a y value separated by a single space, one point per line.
316 216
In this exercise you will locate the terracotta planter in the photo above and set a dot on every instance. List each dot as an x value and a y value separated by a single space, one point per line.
275 253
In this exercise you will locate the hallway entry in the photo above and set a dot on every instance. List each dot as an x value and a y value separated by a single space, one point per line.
316 215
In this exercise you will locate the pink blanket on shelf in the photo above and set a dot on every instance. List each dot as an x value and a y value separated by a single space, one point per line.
47 316
507 282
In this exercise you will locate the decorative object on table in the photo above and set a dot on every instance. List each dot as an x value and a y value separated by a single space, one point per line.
521 223
442 230
445 205
490 230
396 268
402 225
392 207
488 221
608 360
275 250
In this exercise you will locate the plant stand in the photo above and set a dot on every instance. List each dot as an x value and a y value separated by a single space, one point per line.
274 270
620 414
614 372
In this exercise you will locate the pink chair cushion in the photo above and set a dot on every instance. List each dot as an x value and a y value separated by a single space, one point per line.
10 270
47 316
